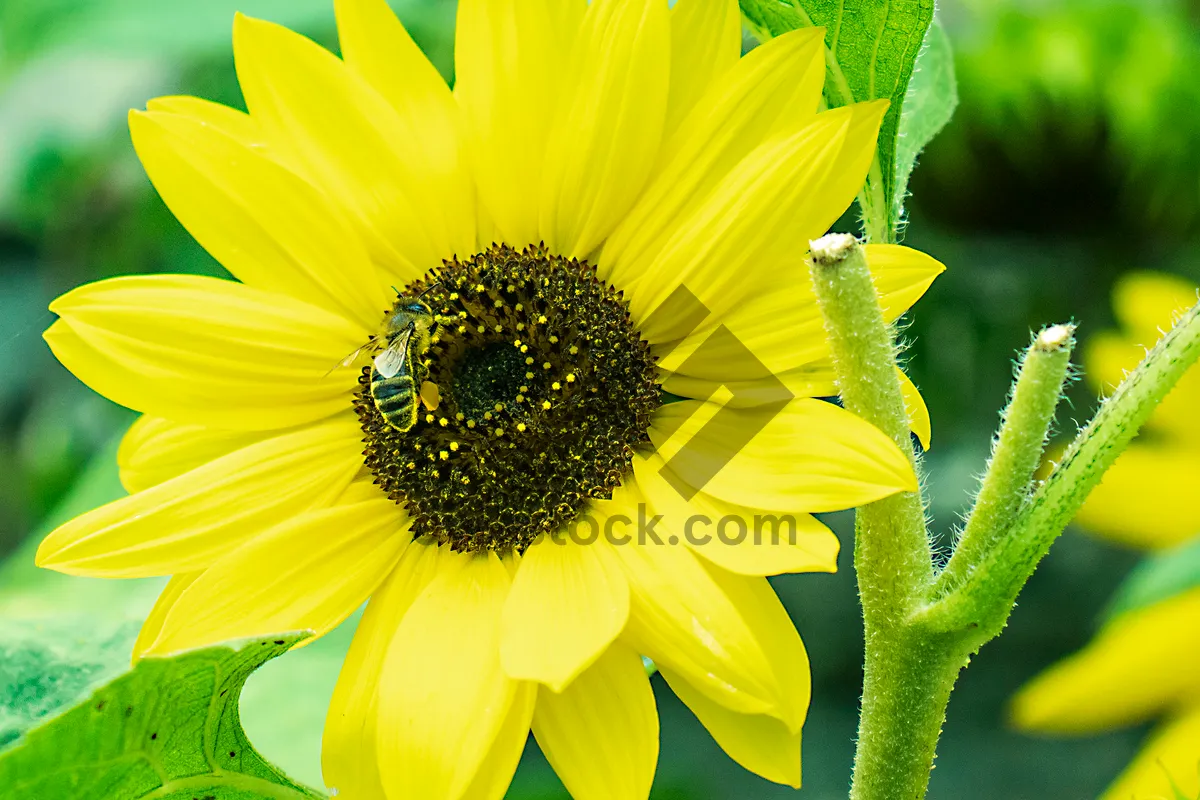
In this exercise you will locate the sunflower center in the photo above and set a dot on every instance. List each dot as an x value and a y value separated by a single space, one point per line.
531 393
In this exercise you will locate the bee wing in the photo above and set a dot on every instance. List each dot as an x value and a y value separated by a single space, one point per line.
350 359
392 361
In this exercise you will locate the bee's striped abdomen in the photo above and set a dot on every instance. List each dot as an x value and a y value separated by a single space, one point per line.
396 399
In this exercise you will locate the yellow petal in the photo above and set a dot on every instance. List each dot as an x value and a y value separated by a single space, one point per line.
348 749
205 351
682 618
154 450
268 226
411 196
152 627
757 222
1140 663
1148 303
761 744
495 774
745 540
782 329
307 573
774 89
901 275
1147 497
607 135
1167 766
189 522
706 41
376 46
601 733
510 60
811 456
568 602
444 700
918 412
233 123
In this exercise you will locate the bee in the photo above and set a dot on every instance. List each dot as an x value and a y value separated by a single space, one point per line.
401 343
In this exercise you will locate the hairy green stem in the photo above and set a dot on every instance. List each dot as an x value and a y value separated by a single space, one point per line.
907 680
895 550
1016 453
985 599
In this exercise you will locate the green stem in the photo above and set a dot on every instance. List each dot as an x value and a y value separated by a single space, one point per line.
1016 453
906 688
907 678
984 601
892 544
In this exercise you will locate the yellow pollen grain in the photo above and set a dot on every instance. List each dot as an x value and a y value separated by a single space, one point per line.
528 375
454 446
520 398
520 326
465 479
570 377
499 406
429 418
574 350
521 427
443 422
470 423
459 416
454 295
529 360
541 319
499 431
487 415
498 304
522 389
480 329
556 386
524 348
553 340
479 287
443 455
516 342
546 404
499 328
462 328
545 365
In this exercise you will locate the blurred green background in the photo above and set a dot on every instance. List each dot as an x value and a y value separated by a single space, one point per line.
1071 159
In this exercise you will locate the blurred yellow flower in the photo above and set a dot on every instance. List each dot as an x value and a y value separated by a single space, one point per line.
591 160
1145 660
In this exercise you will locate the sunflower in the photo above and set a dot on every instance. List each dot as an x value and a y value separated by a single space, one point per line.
577 282
1142 662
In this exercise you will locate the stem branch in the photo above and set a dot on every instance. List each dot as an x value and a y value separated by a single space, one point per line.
1016 453
985 599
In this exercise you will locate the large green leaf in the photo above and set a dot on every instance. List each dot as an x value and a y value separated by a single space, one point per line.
929 105
871 47
168 729
1157 578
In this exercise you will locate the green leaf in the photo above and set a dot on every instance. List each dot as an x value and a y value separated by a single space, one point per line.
871 47
928 106
166 730
1157 578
